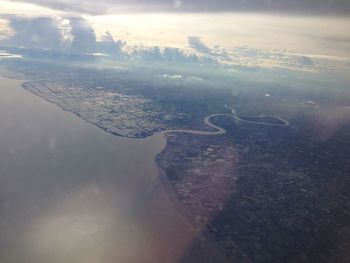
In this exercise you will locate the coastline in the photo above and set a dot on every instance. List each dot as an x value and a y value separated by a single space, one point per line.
100 167
165 182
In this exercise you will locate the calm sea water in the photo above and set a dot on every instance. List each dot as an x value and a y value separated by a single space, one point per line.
70 192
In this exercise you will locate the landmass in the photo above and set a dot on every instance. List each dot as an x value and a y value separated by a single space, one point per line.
270 184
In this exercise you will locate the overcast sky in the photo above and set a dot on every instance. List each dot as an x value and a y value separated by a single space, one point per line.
279 6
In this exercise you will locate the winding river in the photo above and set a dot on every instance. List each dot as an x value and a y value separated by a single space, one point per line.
220 131
70 192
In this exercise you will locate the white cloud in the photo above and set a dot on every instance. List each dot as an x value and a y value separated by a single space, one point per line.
197 44
72 34
166 54
7 55
25 9
40 32
178 77
84 38
77 35
108 45
174 77
5 29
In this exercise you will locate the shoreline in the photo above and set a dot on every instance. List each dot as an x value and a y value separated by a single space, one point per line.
152 184
163 179
206 120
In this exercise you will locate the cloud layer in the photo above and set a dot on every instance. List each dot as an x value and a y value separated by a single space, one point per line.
39 32
284 6
197 44
67 36
73 35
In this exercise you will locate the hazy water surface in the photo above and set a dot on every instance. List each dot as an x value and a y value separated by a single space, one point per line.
70 192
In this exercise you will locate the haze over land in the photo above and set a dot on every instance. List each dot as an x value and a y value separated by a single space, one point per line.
174 131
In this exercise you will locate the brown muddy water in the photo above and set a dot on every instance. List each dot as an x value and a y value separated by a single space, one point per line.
71 193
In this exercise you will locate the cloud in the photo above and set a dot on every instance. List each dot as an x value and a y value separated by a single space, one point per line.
250 57
42 32
110 46
5 29
172 77
72 6
304 61
7 55
84 38
76 36
177 55
167 54
73 34
177 77
216 53
197 44
278 6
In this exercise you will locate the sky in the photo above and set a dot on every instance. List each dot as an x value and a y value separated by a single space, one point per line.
296 34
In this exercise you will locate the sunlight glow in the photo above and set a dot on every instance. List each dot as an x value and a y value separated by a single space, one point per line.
25 9
231 30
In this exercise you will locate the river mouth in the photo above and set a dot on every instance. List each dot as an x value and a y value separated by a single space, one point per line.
71 192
